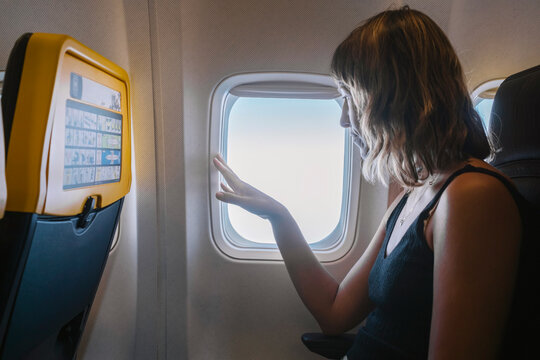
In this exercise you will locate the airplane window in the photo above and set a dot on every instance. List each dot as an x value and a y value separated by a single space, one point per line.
483 97
280 132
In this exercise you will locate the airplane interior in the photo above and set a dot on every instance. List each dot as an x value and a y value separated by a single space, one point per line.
113 242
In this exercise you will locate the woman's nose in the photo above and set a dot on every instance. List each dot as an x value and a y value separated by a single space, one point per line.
344 121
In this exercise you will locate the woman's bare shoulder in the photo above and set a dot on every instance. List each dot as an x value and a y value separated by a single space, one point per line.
478 202
487 189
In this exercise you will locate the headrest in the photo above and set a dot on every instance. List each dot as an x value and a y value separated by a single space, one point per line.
515 118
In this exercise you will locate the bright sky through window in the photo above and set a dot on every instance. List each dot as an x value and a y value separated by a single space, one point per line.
484 109
293 150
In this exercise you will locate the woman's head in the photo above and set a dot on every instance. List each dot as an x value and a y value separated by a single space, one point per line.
409 96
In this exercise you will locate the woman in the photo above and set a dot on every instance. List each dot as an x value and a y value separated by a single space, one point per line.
436 280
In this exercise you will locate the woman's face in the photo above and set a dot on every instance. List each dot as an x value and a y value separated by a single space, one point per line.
348 117
349 120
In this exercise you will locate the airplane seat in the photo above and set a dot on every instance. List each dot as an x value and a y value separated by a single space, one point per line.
330 347
67 130
515 121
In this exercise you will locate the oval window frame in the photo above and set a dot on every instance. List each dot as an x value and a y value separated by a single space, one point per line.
281 84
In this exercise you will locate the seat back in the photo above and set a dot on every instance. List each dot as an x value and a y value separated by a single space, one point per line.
515 122
67 131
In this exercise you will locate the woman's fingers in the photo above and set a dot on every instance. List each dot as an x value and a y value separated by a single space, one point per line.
225 165
228 197
232 179
235 191
220 165
220 158
223 168
226 188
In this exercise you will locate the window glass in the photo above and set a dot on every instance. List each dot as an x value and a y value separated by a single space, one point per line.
484 110
295 151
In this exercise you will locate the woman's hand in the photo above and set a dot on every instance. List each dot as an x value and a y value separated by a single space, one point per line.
244 195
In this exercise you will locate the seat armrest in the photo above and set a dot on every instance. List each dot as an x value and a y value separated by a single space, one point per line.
331 347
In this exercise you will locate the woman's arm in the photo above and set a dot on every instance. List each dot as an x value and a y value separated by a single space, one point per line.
476 233
336 307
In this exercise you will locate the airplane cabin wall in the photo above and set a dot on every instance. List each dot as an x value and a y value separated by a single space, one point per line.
167 292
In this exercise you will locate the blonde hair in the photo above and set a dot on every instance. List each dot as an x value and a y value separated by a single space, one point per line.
413 109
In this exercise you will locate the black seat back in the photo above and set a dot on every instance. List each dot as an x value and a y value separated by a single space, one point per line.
515 123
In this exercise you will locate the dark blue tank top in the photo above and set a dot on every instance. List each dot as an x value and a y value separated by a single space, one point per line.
401 287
